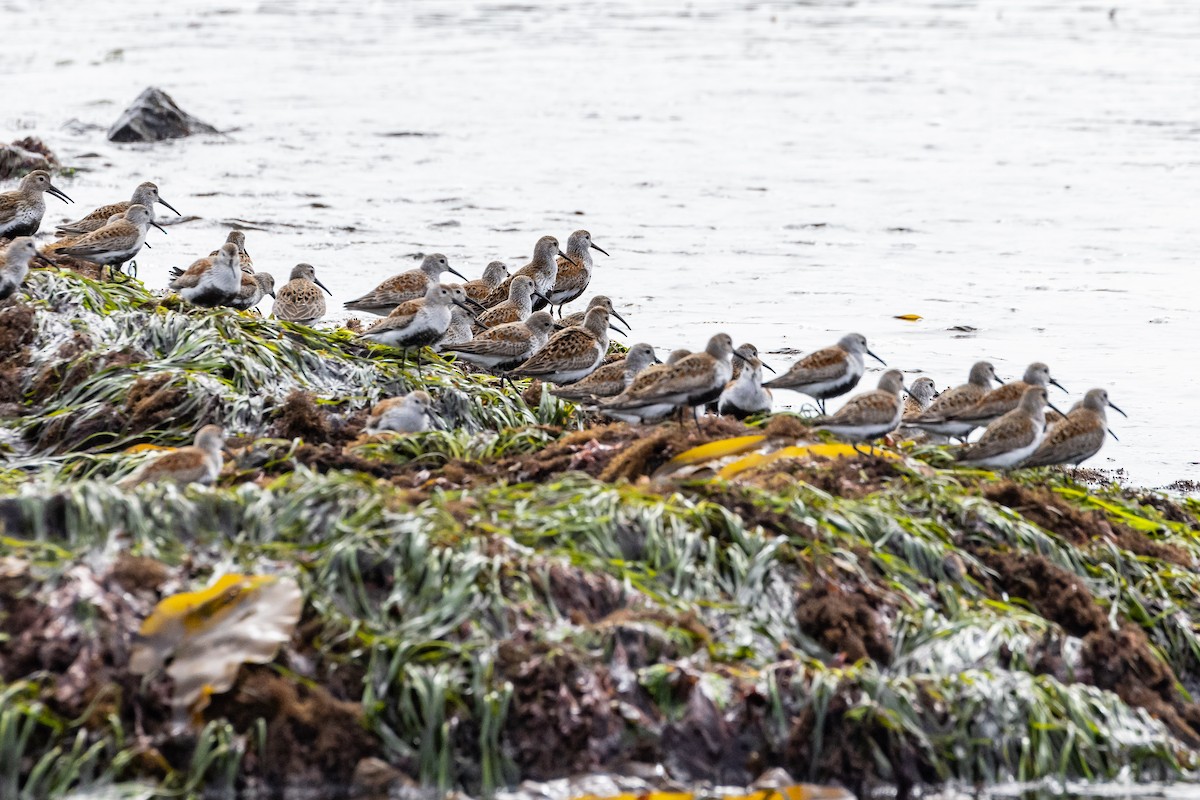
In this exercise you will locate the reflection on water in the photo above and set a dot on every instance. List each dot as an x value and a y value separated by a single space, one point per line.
785 171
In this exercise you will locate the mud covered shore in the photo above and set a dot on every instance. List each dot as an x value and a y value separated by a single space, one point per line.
528 593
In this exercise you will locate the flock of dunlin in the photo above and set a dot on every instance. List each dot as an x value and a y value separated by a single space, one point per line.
497 323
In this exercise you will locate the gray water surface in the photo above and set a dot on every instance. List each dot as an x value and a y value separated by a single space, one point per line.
786 172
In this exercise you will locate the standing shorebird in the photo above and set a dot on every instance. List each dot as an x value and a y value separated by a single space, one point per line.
938 418
747 351
1079 436
641 385
1013 437
418 323
211 281
542 270
200 462
253 289
411 285
17 256
300 299
146 194
115 243
22 209
599 301
920 394
745 395
574 273
694 381
238 240
869 415
410 413
999 401
493 275
827 373
460 331
569 355
516 308
506 346
610 379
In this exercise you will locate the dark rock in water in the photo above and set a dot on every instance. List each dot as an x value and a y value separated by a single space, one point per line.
154 116
24 156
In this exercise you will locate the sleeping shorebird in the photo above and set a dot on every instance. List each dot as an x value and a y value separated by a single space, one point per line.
460 331
22 209
300 299
599 301
1012 438
115 243
506 346
1079 436
937 419
420 322
493 275
745 395
211 281
569 355
641 384
200 462
146 194
516 308
542 270
253 288
610 379
17 256
574 273
827 373
868 415
694 381
999 401
410 285
410 413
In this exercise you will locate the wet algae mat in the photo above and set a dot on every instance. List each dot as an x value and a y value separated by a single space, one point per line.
529 594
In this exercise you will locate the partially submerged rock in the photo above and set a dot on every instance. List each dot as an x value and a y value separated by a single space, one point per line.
154 116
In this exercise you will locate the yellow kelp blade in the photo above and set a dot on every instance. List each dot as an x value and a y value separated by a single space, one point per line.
718 449
909 317
143 448
821 450
801 791
239 619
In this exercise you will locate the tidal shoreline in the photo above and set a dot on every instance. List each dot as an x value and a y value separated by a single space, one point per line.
525 576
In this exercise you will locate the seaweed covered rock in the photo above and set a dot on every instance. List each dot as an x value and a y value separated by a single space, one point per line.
24 156
154 116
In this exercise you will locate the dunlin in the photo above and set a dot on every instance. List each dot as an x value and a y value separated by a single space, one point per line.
254 287
570 355
694 381
516 308
1013 437
17 256
300 299
493 275
1079 436
408 414
920 394
211 281
599 301
146 194
115 243
745 395
747 351
542 270
869 415
460 331
937 418
506 346
610 379
197 463
238 240
22 209
1000 401
827 373
574 274
641 384
420 322
411 285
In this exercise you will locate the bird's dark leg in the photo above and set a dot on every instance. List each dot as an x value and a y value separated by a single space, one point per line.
821 406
